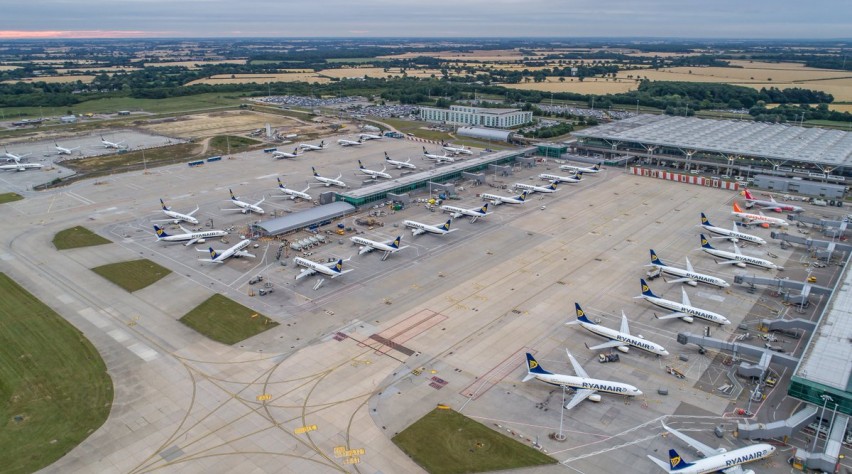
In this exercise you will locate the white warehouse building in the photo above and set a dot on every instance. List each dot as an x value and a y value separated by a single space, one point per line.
477 116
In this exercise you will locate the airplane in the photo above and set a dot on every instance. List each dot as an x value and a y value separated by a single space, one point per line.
759 218
293 193
176 217
474 213
772 204
333 270
417 228
688 276
18 166
684 310
284 154
309 147
344 142
389 247
497 200
329 181
438 158
109 144
190 237
736 257
64 151
245 207
455 150
399 164
372 173
536 189
220 257
593 169
619 339
14 157
732 235
562 179
584 386
714 460
369 136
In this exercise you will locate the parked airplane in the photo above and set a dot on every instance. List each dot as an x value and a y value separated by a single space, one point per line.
176 217
536 189
683 310
584 386
771 204
399 164
732 235
64 151
750 218
497 200
220 257
328 181
109 144
688 276
14 157
562 179
369 136
389 247
190 237
373 173
293 193
417 228
245 207
284 154
18 166
344 142
715 459
438 158
578 169
455 150
619 339
310 147
736 257
474 213
333 269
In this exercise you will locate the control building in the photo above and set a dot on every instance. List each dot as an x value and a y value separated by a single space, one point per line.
477 116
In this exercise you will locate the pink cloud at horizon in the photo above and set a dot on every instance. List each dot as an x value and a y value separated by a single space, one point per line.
72 34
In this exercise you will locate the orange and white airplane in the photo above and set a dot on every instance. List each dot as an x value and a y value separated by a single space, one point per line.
771 205
764 221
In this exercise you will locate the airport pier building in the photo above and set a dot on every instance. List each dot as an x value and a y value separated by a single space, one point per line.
477 116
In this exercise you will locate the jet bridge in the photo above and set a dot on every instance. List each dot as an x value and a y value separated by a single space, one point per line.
780 428
736 349
825 461
824 223
814 244
780 283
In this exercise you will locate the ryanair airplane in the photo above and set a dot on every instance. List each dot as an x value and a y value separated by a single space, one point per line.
621 340
683 310
736 257
715 460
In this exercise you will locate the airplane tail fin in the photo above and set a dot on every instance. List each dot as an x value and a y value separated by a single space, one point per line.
523 196
581 316
737 207
213 253
160 232
234 198
322 143
387 158
705 221
676 462
484 208
315 171
360 165
446 225
165 208
552 185
747 194
533 368
656 260
280 184
424 150
646 290
597 167
338 267
705 244
396 241
579 174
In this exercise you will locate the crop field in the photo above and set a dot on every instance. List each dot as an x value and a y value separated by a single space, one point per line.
377 72
841 107
194 64
76 237
587 86
231 121
8 67
261 78
226 321
132 275
53 79
55 387
476 55
107 69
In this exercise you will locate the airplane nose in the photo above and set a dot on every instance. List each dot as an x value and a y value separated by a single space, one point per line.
665 353
638 392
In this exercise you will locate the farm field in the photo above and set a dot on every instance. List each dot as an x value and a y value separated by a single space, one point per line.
194 64
114 104
475 55
260 78
588 86
376 72
53 79
230 121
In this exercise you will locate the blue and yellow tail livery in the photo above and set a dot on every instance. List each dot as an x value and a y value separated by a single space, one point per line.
552 185
656 260
446 225
676 462
213 253
581 316
338 267
523 196
280 184
233 198
165 208
396 241
646 290
705 221
597 167
315 171
360 165
160 232
484 209
533 367
705 244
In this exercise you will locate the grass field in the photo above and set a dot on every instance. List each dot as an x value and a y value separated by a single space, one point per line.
223 143
53 383
446 442
416 128
132 275
85 79
226 321
10 197
118 162
76 237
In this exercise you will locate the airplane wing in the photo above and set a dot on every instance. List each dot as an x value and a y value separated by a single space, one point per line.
417 231
737 249
689 266
734 470
679 280
190 242
193 212
366 249
209 260
344 272
242 253
728 262
672 315
577 368
606 345
707 451
685 297
625 328
578 397
664 466
305 272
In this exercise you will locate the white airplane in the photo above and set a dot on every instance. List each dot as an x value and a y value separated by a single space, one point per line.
619 339
474 213
399 164
373 173
715 459
284 154
684 310
190 237
562 179
369 136
417 228
309 147
328 181
497 200
109 144
736 257
220 257
764 221
732 235
333 269
176 217
344 142
64 151
536 189
455 150
389 247
584 386
579 169
292 193
688 276
438 158
18 166
245 207
14 157
771 204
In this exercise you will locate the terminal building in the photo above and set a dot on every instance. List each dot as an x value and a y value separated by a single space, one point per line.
477 116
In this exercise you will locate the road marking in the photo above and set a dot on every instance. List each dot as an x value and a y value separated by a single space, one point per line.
118 335
65 299
144 352
93 317
267 176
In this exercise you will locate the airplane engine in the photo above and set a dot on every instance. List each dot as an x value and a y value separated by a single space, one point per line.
687 319
244 211
748 471
623 349
176 221
692 283
741 264
595 398
200 241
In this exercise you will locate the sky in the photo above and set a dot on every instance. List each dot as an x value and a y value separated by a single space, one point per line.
782 19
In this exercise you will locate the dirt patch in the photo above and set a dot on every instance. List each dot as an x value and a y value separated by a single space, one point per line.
227 122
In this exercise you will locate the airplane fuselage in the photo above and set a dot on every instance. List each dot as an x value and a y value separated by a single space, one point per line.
688 310
733 235
534 189
316 267
21 166
231 252
627 339
177 216
559 179
723 461
696 277
741 260
342 142
458 211
579 168
457 151
193 236
372 244
501 199
375 174
330 181
761 219
246 207
418 226
296 194
583 383
400 164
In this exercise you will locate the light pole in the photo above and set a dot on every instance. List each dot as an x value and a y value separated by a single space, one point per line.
834 413
825 399
560 436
